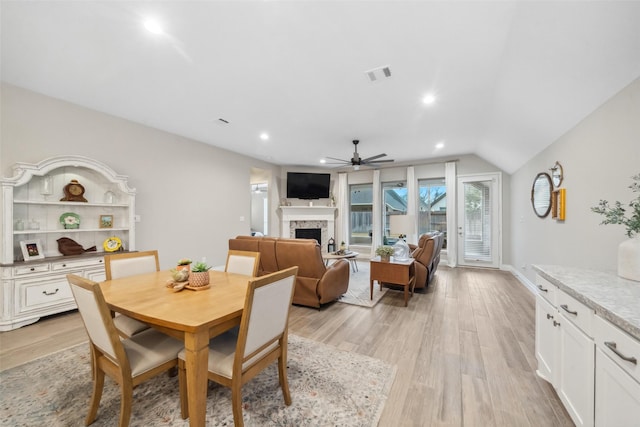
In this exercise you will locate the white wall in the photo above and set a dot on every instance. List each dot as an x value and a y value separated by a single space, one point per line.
599 156
190 195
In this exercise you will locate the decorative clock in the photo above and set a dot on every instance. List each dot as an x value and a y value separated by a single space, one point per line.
112 244
73 192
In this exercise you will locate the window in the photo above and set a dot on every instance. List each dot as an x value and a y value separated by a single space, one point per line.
432 207
361 214
394 202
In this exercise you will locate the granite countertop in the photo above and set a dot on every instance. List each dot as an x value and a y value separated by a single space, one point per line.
611 297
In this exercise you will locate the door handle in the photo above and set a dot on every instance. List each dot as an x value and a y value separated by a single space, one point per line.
566 308
613 347
542 289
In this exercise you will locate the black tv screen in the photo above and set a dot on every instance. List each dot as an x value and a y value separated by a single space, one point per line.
301 185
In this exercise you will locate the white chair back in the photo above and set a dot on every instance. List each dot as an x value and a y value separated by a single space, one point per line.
242 262
95 315
267 311
130 264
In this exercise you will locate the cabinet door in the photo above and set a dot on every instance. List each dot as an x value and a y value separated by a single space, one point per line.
575 373
546 339
617 395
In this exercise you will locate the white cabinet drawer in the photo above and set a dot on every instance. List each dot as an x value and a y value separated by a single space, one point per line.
623 349
35 268
37 294
547 290
576 312
82 263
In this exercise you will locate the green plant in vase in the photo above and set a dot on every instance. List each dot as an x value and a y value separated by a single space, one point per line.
385 252
183 264
199 274
629 250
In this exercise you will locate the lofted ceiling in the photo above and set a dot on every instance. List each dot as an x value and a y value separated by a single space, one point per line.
510 77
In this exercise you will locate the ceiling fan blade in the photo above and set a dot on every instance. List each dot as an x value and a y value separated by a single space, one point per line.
377 161
340 160
368 159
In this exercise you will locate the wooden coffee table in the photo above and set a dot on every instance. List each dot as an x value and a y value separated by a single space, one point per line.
350 256
394 272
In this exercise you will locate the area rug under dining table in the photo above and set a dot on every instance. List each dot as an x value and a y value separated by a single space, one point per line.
329 387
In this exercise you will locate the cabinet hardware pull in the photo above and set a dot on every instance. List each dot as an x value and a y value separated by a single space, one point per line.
64 265
565 308
549 316
32 269
613 347
51 293
556 323
542 289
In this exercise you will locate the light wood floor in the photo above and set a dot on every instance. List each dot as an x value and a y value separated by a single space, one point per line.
464 350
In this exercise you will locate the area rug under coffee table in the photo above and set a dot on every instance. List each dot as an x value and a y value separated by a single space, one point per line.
329 387
359 292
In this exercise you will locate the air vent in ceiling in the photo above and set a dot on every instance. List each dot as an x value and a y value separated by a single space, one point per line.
378 74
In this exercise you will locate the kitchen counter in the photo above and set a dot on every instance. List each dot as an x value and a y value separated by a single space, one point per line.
611 297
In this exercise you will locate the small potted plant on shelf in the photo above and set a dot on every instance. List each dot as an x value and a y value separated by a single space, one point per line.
384 252
199 275
184 264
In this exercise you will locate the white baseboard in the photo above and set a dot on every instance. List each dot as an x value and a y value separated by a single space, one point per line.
521 278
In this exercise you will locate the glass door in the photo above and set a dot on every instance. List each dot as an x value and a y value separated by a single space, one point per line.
479 220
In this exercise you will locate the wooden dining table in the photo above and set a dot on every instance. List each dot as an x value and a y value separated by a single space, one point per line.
193 316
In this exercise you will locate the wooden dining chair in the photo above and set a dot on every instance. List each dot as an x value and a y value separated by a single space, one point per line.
129 264
240 354
242 262
128 361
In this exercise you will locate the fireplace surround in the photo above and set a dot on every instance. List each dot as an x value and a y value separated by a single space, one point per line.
308 217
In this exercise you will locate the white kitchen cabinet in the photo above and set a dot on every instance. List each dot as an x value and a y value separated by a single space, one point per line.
32 211
617 376
575 373
546 339
617 395
565 350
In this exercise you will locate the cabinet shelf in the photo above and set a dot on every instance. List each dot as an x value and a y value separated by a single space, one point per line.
70 204
70 230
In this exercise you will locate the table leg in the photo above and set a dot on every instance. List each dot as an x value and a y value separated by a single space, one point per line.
371 289
197 354
406 294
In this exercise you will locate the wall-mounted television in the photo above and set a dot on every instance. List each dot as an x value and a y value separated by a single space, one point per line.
302 185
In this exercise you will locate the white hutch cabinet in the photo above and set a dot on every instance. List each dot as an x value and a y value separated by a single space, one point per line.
32 212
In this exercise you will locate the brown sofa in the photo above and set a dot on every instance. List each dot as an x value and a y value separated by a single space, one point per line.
427 256
316 284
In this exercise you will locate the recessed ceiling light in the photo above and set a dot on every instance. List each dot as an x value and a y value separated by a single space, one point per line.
439 145
429 99
323 161
264 136
153 26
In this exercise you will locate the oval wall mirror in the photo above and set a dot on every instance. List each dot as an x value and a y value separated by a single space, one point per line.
557 174
541 194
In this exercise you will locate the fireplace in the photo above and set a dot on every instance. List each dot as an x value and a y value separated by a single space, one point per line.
309 217
309 233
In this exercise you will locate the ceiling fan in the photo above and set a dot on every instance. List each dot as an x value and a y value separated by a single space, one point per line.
356 161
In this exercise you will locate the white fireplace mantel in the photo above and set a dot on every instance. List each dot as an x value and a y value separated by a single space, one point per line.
307 213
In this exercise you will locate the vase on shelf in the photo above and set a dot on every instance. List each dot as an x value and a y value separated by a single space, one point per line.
629 259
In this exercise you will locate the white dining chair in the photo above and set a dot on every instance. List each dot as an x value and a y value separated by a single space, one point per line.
238 355
243 262
129 264
128 361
